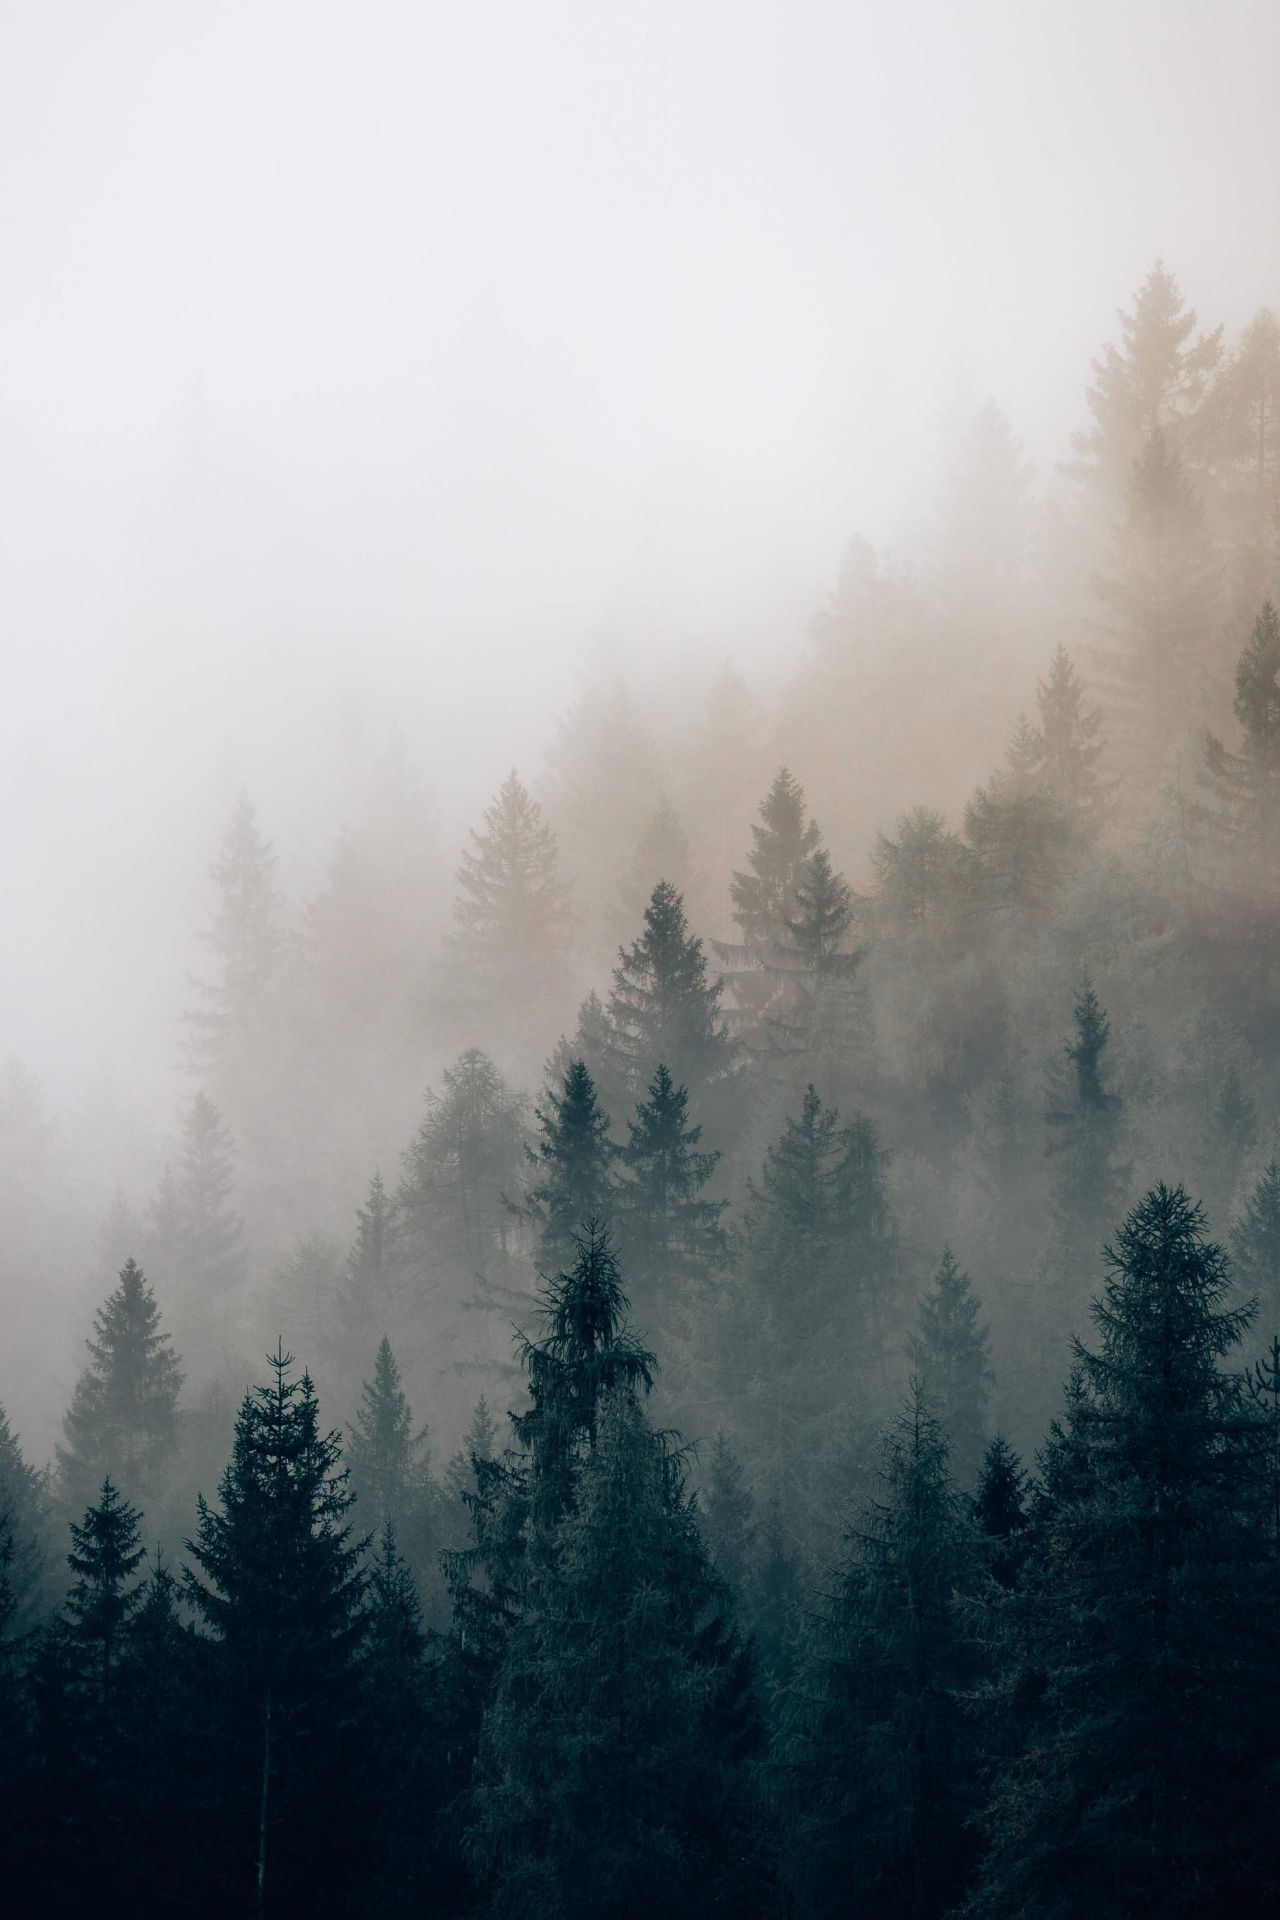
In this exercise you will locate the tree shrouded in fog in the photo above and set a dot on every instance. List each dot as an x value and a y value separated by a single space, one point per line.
1153 1611
122 1421
571 1166
663 1008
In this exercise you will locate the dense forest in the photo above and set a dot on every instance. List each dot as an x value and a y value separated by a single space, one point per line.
790 1423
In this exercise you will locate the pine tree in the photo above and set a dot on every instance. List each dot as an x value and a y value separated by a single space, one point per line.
611 1777
278 1586
819 1264
390 1465
196 1236
397 1790
728 1517
451 1207
662 853
671 1235
1153 382
368 1291
1159 595
512 912
25 1505
1090 1179
880 1767
1019 834
247 945
663 1007
950 1355
1153 1613
816 1019
1255 1249
1068 748
123 1416
477 1447
1263 1382
920 875
572 1165
1246 783
1240 438
1000 1509
764 894
106 1552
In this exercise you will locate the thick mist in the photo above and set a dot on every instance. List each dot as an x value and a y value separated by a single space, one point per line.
639 1069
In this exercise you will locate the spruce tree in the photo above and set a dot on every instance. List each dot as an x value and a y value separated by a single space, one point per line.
1263 1382
1000 1509
663 1007
1159 595
277 1584
1155 380
816 1017
949 1353
247 945
451 1210
25 1505
571 1165
123 1416
1241 442
368 1290
1068 747
390 1465
1246 783
879 1763
785 838
1255 1250
920 876
477 1447
819 1262
197 1241
509 946
1019 833
671 1234
1152 1610
611 1775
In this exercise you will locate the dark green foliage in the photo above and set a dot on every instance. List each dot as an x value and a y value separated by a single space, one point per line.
610 1777
572 1165
819 1262
25 1508
728 1517
389 1463
1000 1509
1153 1612
663 1006
1263 1382
477 1445
278 1587
950 1354
671 1235
122 1419
878 1766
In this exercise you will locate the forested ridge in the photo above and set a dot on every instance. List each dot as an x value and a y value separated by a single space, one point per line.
791 1425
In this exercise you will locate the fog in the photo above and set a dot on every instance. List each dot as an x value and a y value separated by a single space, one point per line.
639 814
391 365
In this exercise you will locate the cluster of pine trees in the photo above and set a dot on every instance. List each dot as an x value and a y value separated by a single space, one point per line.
837 1201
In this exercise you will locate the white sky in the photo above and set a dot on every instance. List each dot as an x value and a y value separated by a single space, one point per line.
397 349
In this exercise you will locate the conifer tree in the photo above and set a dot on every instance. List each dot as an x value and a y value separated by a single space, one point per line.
1246 783
920 875
1067 749
816 1018
390 1466
1263 1382
880 1768
950 1355
1152 1609
1159 594
197 1240
247 944
398 1789
671 1234
1255 1250
123 1415
818 1254
1240 439
512 911
368 1289
662 853
611 1778
728 1517
1019 835
278 1587
1000 1509
663 1007
571 1165
451 1211
1155 380
477 1446
785 838
25 1505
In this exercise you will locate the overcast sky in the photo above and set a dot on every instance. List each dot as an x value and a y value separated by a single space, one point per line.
396 352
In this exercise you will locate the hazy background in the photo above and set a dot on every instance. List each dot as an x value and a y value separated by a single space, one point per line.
382 360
